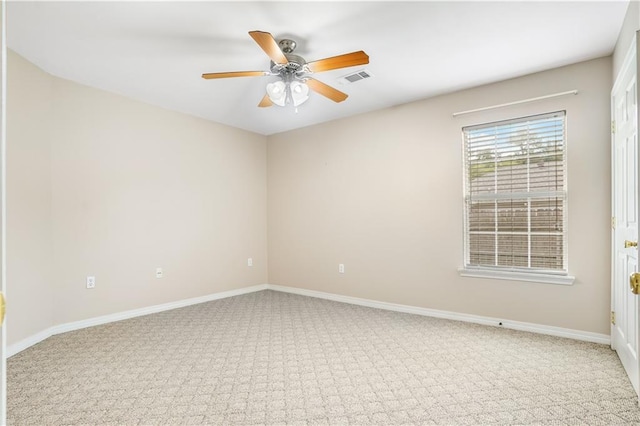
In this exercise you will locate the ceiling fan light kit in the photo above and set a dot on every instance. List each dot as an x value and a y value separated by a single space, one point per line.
282 92
294 72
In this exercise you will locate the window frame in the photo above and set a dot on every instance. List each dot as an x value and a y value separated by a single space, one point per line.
550 276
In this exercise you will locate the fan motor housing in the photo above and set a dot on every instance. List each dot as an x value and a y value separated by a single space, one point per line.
295 64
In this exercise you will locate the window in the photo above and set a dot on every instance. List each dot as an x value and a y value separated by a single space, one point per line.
515 198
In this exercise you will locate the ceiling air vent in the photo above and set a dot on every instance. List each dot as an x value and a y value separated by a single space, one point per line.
356 76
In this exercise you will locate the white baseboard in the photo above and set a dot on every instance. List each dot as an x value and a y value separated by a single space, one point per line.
477 319
515 325
119 316
28 342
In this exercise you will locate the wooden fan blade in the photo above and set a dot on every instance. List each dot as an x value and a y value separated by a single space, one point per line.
341 61
326 90
211 75
265 102
270 46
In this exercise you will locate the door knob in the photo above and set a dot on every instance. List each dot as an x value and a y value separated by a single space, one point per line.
634 282
628 244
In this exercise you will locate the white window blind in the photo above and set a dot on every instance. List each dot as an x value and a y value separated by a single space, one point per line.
515 195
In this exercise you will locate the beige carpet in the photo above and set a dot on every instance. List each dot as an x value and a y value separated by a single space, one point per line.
276 358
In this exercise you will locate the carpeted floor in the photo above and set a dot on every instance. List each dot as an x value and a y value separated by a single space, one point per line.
277 358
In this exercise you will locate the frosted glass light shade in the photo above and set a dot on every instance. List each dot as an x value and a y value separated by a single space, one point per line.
299 92
277 92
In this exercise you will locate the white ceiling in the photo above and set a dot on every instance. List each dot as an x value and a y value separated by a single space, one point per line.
156 51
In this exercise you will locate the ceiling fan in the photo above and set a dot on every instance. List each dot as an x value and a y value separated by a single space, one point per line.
294 72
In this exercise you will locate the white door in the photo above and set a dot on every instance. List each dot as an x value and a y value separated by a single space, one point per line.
624 327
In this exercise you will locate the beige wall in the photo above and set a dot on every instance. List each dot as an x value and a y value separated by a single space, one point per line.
28 174
106 186
382 193
630 25
118 188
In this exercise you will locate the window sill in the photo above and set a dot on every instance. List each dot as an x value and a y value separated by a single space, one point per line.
517 276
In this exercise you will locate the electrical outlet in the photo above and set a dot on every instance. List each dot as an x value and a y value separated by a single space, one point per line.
91 282
159 273
341 268
250 261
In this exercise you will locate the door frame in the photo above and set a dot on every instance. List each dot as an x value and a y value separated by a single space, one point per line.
3 207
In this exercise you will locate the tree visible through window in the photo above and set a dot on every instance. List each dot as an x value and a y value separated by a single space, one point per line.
515 194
